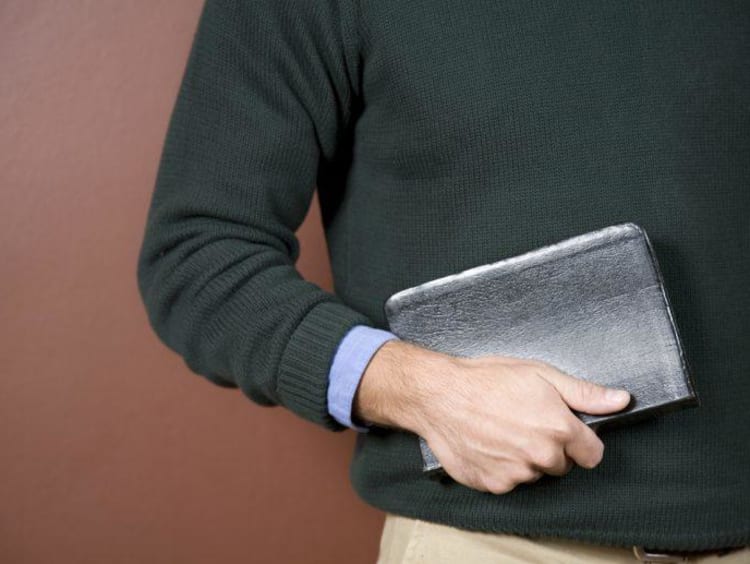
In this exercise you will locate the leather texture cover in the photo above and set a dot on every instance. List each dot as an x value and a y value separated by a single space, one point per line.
594 306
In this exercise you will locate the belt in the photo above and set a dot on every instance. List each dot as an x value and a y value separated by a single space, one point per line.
647 555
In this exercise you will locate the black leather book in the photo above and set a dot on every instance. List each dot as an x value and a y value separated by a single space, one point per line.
594 306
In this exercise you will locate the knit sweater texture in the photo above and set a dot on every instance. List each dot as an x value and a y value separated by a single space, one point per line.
443 135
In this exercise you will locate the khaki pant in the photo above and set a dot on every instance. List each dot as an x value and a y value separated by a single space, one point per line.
406 540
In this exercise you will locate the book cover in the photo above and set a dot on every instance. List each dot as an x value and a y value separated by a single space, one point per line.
594 306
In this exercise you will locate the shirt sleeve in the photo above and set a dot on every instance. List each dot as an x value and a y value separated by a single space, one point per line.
266 93
349 364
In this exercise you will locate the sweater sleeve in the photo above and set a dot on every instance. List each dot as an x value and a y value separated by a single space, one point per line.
265 94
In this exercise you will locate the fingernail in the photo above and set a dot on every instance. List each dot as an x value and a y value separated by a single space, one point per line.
616 395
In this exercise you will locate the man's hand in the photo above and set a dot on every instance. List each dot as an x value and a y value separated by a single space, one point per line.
493 422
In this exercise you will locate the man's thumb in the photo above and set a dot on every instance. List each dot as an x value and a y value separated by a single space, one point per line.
585 396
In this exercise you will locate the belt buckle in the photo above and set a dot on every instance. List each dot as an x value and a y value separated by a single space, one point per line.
644 555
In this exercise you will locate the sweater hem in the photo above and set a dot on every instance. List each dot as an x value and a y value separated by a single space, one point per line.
689 540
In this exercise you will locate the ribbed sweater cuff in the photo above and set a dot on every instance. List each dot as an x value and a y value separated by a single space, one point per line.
303 373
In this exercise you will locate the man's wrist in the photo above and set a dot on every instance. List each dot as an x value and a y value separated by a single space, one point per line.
397 385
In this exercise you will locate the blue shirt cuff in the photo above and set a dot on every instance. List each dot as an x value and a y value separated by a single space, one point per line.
349 363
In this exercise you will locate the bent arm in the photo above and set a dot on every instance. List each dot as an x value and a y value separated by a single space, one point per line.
263 98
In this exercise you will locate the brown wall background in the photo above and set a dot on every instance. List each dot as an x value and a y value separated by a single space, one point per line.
111 449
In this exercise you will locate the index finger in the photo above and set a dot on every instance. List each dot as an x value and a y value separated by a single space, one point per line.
584 446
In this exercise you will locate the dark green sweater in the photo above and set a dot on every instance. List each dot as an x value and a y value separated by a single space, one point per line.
443 135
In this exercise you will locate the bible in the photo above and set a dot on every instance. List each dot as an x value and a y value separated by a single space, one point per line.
594 306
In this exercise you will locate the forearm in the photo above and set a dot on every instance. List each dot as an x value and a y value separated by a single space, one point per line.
399 383
258 110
